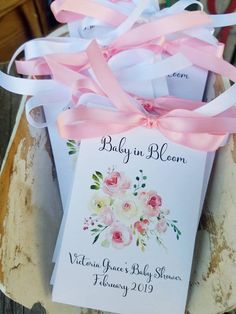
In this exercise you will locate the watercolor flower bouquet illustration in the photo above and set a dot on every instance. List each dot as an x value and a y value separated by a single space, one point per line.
123 212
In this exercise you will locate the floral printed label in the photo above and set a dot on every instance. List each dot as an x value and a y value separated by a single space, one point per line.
125 211
130 227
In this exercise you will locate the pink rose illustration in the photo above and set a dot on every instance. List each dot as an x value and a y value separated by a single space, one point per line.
119 235
116 183
141 226
161 226
152 203
106 216
123 211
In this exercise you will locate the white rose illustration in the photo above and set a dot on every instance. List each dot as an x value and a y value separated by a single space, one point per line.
127 208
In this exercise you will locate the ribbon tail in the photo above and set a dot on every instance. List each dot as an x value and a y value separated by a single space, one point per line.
198 141
89 130
85 123
107 80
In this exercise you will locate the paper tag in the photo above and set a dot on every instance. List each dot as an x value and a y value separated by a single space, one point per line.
130 230
189 83
64 152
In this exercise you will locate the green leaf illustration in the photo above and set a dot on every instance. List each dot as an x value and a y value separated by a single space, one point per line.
72 152
95 178
95 230
99 175
69 145
72 146
94 187
96 238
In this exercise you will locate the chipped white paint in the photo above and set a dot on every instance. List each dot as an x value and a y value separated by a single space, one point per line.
214 273
31 224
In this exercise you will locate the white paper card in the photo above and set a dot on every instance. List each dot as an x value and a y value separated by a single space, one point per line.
180 85
189 83
136 249
64 152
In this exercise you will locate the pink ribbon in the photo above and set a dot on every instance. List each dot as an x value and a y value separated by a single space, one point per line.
71 10
140 36
70 75
181 126
164 104
202 57
77 81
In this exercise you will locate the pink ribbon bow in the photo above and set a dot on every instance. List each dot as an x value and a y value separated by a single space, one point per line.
140 36
181 126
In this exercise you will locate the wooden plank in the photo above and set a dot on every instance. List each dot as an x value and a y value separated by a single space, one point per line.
9 5
21 21
43 11
19 25
31 19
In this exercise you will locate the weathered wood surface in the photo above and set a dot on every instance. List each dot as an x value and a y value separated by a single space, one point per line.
9 106
30 214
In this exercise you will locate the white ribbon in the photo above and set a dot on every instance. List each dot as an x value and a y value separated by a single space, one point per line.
220 104
126 25
221 20
24 86
129 75
45 46
147 70
50 92
143 73
54 97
